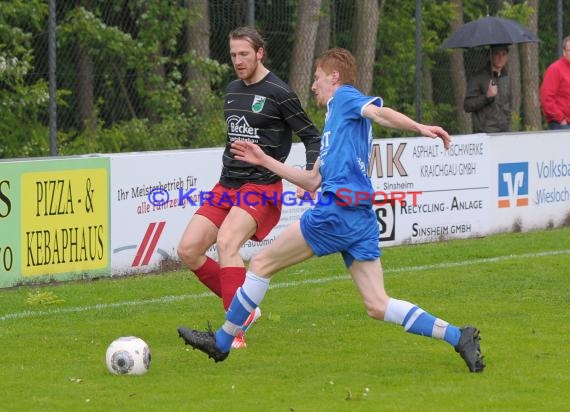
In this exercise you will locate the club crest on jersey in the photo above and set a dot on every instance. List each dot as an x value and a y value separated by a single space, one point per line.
258 103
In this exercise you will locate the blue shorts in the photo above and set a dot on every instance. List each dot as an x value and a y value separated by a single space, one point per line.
332 227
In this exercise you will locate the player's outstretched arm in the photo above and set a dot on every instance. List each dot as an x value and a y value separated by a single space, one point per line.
251 153
387 117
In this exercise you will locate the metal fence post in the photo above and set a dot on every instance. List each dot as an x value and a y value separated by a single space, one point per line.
52 78
559 27
419 61
250 13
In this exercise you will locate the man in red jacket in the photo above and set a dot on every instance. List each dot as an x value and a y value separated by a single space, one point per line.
555 90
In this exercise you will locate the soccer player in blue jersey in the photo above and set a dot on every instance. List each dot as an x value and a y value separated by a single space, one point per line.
337 224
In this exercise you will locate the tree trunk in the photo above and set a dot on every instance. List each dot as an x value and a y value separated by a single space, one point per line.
514 72
85 90
322 43
457 74
197 43
85 86
427 81
364 43
304 49
530 75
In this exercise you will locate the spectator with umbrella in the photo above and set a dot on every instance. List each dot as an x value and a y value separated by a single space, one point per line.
489 95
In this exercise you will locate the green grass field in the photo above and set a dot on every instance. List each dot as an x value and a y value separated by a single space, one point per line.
314 349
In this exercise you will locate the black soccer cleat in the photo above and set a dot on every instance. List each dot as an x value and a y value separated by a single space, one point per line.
469 349
203 341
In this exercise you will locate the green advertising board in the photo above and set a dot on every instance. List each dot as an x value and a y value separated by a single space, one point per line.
54 219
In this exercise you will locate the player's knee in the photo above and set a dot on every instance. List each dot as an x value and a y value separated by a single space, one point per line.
183 254
227 246
260 265
255 264
189 254
181 251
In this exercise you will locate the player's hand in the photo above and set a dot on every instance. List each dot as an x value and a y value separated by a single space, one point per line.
247 152
492 89
435 132
301 193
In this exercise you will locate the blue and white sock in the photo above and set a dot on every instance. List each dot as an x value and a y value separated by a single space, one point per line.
246 299
416 320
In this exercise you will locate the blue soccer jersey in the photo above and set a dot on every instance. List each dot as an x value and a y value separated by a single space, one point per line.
346 143
344 221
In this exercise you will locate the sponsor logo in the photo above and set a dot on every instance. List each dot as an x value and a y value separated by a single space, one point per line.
513 184
239 129
64 222
553 169
148 244
387 165
434 232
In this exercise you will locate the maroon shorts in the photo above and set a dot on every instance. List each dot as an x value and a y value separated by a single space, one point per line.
262 202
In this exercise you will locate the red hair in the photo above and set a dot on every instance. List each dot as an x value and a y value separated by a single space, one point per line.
342 61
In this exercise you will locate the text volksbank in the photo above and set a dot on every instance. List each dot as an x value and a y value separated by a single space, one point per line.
552 169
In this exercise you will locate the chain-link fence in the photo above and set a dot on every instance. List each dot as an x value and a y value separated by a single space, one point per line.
152 71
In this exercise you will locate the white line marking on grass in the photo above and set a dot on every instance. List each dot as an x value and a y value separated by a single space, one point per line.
100 306
477 261
275 285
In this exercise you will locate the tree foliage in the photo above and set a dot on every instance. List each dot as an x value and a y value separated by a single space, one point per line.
140 100
395 69
24 97
129 80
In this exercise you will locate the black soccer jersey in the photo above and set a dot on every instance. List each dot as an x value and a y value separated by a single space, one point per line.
266 113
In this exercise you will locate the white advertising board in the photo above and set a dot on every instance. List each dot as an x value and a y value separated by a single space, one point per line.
482 184
436 193
530 182
142 233
154 195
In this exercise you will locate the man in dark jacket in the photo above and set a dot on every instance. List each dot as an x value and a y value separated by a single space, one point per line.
488 96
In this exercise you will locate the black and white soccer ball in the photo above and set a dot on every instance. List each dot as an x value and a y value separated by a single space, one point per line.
128 355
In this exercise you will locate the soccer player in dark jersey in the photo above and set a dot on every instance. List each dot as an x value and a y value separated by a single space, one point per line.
337 224
246 203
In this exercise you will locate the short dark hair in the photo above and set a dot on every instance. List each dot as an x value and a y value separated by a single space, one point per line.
250 34
500 47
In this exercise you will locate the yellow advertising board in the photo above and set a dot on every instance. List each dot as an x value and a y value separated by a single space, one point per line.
64 221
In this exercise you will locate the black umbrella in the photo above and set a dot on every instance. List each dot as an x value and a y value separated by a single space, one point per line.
487 31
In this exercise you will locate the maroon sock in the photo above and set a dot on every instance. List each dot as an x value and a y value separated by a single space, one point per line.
231 279
209 274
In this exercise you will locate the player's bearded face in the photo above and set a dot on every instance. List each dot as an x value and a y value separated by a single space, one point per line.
244 58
